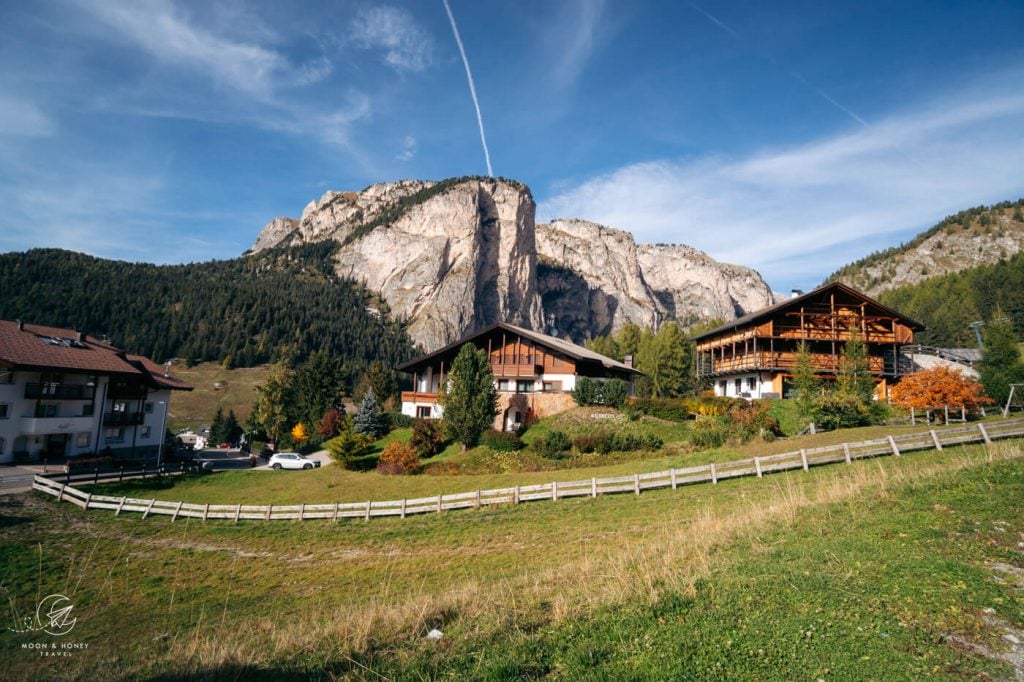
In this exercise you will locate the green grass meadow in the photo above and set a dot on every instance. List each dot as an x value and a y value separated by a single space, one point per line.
877 570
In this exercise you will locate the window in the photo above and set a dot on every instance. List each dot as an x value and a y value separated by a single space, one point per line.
721 386
146 430
114 435
423 412
738 385
5 410
751 383
2 445
46 410
148 409
552 386
504 385
119 406
524 386
83 439
87 410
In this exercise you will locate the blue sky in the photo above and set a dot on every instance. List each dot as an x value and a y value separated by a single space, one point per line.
791 137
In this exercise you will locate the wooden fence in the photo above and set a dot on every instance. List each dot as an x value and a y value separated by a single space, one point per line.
556 490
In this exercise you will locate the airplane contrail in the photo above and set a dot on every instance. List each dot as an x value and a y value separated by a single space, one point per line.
472 88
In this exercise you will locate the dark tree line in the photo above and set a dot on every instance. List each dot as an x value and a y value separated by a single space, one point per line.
277 304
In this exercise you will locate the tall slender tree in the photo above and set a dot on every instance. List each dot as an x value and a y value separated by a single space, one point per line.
469 398
1000 363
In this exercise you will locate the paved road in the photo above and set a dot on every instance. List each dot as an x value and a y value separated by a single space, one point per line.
18 479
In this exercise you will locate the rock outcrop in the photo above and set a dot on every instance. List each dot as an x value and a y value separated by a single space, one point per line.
454 256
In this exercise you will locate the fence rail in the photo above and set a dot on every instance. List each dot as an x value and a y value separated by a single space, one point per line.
556 490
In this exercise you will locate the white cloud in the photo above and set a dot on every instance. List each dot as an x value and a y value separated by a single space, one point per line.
163 30
409 147
405 45
797 214
573 38
23 118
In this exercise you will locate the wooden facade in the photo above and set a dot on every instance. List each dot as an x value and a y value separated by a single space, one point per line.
533 372
763 345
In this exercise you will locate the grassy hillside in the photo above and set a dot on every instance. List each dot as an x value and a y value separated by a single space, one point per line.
214 387
898 568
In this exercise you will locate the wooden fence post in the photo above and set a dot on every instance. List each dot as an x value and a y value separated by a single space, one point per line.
270 510
60 495
672 475
206 511
892 445
636 483
148 508
476 502
174 516
757 465
803 459
714 474
846 453
88 499
121 477
120 506
238 512
515 496
935 440
369 504
440 503
96 474
554 490
403 508
984 434
593 487
337 508
302 512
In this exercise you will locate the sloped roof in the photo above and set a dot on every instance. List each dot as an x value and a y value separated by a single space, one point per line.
38 347
758 315
568 348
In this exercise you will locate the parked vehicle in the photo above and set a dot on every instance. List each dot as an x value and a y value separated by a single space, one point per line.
292 460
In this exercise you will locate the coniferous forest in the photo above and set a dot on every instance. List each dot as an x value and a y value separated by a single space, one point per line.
947 305
276 304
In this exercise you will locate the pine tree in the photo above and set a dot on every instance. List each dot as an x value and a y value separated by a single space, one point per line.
273 399
806 384
217 427
469 398
1000 363
854 379
370 418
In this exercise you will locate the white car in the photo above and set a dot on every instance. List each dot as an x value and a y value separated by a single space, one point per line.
292 460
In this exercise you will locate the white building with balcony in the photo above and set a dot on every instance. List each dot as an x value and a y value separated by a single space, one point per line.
65 394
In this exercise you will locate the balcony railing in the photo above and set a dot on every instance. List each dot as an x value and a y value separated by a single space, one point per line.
418 397
123 418
782 362
516 369
57 391
126 391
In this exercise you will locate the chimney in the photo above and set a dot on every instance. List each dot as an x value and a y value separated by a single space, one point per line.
80 337
628 361
796 293
21 326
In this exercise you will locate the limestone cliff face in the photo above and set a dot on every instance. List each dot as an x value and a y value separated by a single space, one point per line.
625 282
452 258
457 255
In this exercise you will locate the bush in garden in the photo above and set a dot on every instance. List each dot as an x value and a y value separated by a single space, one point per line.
427 437
398 458
589 442
502 441
710 432
841 412
348 446
554 443
605 392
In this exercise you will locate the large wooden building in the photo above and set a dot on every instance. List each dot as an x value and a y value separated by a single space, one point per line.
533 372
754 356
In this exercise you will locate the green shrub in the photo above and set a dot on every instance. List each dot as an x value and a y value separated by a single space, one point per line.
605 392
427 437
502 441
841 412
399 420
710 432
589 442
555 443
348 446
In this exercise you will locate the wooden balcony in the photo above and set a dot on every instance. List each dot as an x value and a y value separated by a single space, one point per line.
418 397
123 418
516 369
779 362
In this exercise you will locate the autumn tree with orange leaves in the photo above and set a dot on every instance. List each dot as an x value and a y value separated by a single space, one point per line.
939 387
